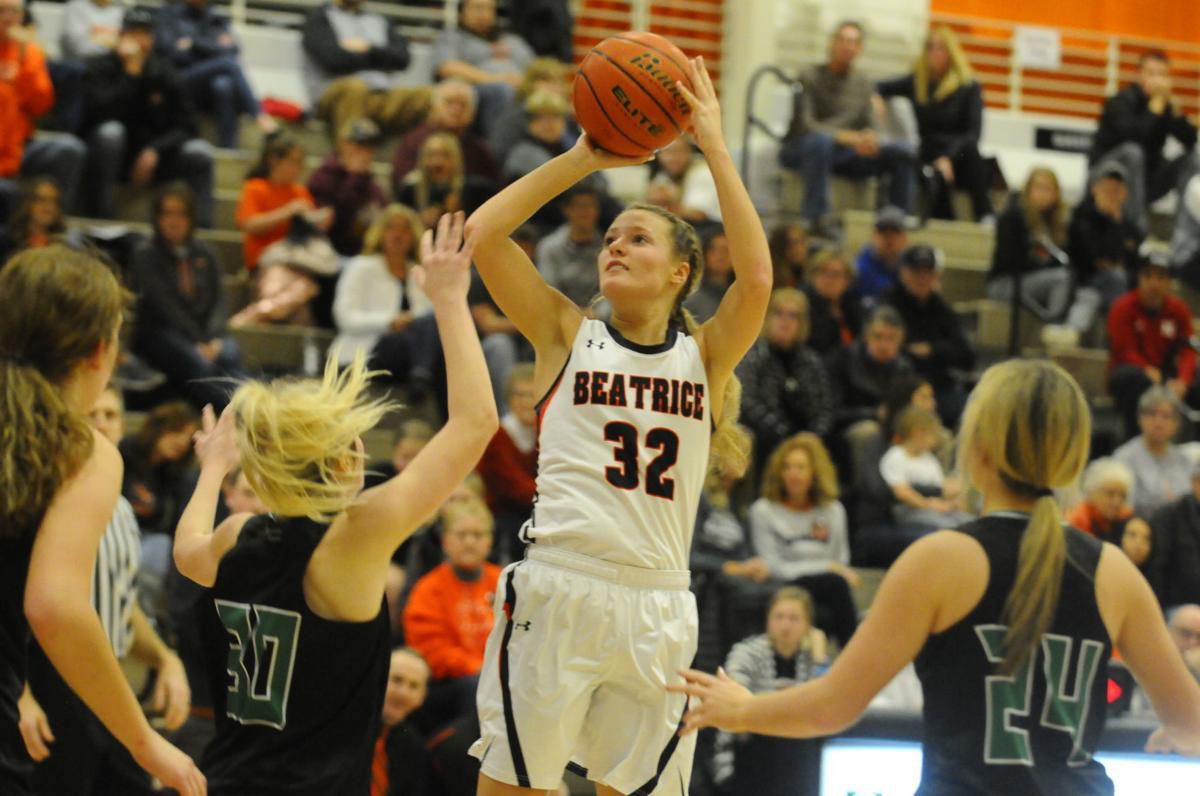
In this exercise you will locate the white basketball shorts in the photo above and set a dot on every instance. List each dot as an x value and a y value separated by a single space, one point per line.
575 675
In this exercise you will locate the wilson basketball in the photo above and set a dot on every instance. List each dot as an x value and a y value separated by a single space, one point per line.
626 99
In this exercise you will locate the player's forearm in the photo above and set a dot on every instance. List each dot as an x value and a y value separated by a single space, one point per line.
468 384
195 529
747 242
513 206
791 713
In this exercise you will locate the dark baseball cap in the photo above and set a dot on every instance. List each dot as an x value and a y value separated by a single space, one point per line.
921 256
364 132
1112 169
890 218
138 18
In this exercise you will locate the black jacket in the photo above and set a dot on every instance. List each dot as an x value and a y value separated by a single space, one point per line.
1094 236
321 44
825 336
946 126
545 24
1174 565
933 321
784 392
152 105
860 383
162 306
204 27
1127 118
1015 250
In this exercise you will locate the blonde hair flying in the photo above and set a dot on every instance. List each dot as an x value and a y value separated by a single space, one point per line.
300 439
1029 420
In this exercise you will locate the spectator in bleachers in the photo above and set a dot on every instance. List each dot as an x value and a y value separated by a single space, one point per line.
799 528
912 391
1149 341
509 464
715 278
1107 485
157 461
1175 564
480 52
37 221
1134 126
934 339
1137 542
545 24
294 281
1031 239
542 74
140 124
345 183
924 498
273 195
679 161
948 102
453 112
1184 624
862 375
1102 243
199 43
877 266
834 130
661 191
181 312
350 56
1185 242
90 28
26 94
439 184
836 313
789 254
785 388
400 764
1161 471
379 308
449 612
567 257
791 651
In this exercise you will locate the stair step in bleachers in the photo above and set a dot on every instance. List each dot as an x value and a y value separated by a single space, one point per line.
993 319
283 349
960 241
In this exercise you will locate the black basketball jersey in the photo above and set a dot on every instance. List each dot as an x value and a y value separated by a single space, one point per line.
298 699
16 769
1034 732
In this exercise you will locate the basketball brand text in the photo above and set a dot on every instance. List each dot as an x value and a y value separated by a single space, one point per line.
649 63
635 113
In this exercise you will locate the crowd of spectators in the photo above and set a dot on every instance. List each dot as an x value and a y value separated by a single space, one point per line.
851 394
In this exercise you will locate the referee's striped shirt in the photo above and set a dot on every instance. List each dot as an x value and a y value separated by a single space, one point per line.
114 581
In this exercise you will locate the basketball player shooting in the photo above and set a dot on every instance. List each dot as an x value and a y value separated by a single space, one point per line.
596 620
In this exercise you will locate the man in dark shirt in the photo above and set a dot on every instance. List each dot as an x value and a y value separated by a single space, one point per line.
139 122
935 340
344 181
1134 126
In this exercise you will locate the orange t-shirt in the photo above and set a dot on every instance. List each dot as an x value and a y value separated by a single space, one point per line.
448 620
260 195
24 98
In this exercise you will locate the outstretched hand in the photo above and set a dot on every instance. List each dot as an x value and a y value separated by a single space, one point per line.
445 270
216 441
706 110
716 701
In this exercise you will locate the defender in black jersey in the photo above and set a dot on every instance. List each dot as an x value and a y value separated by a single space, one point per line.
294 623
59 482
1011 620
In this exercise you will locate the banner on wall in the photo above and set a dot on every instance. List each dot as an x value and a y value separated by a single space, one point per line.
1037 48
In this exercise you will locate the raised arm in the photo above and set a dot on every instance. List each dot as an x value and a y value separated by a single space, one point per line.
359 545
728 335
59 608
539 312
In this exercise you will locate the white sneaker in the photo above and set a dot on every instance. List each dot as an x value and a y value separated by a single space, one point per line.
1058 337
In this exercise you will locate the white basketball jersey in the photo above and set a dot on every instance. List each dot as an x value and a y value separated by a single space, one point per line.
623 450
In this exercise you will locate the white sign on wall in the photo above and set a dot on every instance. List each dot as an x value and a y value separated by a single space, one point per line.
1037 48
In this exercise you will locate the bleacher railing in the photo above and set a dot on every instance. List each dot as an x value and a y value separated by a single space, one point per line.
1094 65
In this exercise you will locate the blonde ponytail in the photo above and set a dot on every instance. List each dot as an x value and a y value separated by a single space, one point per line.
1029 420
300 439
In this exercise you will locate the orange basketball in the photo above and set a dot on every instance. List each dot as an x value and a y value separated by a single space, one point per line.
626 99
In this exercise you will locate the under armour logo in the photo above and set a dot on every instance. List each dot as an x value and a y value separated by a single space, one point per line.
523 625
599 345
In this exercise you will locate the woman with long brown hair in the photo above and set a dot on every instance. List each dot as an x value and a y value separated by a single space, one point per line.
59 482
1011 620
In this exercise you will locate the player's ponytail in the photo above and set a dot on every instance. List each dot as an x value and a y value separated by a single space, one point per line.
300 439
60 305
1029 420
730 450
